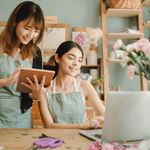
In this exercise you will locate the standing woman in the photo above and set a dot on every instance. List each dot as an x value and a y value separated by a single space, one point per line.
64 105
24 30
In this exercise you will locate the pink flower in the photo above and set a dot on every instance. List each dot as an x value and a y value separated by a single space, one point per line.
95 146
146 49
80 39
92 147
1 147
107 146
118 44
115 144
141 43
130 71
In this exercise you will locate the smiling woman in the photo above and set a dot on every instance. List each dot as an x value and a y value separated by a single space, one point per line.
26 31
23 31
62 105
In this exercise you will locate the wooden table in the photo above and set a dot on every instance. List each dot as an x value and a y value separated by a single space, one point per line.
22 139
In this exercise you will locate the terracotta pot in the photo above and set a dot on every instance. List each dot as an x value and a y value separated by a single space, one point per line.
125 4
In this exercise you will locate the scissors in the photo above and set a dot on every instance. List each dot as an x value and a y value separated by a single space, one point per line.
48 142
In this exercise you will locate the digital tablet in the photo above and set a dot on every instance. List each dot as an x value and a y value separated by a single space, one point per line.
26 72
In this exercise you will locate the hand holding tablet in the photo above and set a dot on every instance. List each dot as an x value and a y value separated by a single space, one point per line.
29 73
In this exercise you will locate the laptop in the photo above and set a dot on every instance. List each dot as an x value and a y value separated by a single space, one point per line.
127 117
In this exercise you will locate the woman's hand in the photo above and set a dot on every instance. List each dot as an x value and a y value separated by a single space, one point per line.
38 90
94 123
13 78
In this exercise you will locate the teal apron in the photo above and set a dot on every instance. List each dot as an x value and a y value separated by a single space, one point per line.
67 108
10 112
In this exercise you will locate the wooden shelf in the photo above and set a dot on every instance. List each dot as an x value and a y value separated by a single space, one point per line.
146 3
49 25
48 53
90 66
123 36
114 60
147 25
2 23
122 12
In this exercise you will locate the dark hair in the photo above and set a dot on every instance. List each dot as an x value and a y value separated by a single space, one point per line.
8 38
61 50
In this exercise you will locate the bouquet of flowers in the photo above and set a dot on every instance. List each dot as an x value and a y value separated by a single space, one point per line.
136 56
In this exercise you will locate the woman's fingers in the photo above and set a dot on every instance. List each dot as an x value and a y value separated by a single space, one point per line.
30 81
27 85
99 118
36 81
94 123
42 81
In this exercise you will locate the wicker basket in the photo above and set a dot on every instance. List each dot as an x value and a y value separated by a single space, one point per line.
125 4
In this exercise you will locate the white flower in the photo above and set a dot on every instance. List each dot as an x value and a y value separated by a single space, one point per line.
94 34
118 44
124 61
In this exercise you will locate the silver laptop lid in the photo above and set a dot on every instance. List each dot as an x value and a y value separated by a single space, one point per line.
127 116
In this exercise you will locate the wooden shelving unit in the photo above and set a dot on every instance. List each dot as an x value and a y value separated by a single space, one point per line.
121 13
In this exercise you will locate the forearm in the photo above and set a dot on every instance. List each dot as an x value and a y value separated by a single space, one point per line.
3 82
100 109
44 111
64 126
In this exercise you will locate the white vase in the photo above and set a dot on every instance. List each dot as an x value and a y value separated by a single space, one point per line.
92 57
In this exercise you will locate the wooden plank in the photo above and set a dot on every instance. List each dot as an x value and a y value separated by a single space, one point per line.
114 60
90 65
146 3
78 29
51 19
143 81
123 35
3 23
104 50
122 12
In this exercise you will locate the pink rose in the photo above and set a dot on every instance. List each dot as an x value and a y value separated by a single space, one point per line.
130 71
92 147
95 146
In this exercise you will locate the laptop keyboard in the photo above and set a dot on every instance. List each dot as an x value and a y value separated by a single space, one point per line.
99 136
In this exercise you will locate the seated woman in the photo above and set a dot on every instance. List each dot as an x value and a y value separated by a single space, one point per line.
62 104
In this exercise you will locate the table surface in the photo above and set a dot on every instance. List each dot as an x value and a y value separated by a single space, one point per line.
22 139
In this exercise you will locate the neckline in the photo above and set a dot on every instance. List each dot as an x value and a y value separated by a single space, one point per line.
54 87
